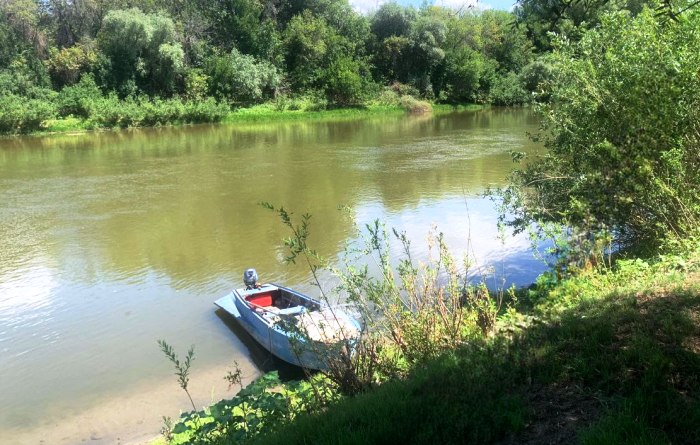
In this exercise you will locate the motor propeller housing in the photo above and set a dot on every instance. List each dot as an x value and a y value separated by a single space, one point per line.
250 278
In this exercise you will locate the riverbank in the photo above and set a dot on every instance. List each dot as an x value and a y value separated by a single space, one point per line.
264 113
131 417
609 356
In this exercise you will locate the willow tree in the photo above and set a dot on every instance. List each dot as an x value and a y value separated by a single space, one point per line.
141 52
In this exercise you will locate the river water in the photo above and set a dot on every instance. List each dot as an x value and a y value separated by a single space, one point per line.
111 241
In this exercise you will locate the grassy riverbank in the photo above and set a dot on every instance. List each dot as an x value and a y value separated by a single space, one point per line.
609 356
269 112
256 114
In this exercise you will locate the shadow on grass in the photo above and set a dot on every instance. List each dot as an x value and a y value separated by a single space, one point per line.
624 369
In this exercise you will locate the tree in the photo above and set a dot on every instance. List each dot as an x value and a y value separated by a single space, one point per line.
68 64
623 133
428 36
392 20
240 79
319 58
465 71
241 24
22 17
507 45
343 81
543 18
141 52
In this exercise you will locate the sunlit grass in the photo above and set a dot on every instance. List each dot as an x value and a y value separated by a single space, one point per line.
268 113
616 359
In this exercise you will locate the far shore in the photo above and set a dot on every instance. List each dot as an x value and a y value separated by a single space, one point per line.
254 115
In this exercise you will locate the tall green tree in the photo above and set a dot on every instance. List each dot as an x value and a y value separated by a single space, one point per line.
392 20
241 79
544 18
141 52
428 36
242 24
318 58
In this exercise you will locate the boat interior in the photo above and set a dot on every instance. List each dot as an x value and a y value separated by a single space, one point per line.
320 324
280 302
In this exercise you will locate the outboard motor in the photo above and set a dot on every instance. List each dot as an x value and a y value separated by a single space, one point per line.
250 278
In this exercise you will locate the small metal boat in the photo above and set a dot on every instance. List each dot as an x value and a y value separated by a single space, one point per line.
292 326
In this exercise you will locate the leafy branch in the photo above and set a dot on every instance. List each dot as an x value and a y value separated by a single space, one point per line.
182 370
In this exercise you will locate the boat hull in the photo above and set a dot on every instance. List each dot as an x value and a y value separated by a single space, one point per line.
289 347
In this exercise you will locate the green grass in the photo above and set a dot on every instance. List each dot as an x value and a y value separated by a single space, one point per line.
447 108
612 360
439 403
256 114
65 125
610 356
268 113
261 114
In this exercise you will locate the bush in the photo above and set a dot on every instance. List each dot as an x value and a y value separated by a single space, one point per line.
344 84
465 70
536 77
241 79
110 112
508 90
67 65
311 101
141 52
196 84
403 89
623 133
388 97
415 106
205 111
77 100
256 409
21 115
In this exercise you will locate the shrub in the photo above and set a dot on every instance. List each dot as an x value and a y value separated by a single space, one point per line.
508 90
259 407
205 111
344 84
536 77
464 72
141 52
196 84
109 111
22 115
415 106
388 97
403 89
623 134
240 79
77 99
311 101
67 65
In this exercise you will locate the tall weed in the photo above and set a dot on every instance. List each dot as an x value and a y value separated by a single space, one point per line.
411 311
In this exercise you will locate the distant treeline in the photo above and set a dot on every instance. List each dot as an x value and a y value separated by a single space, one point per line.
85 58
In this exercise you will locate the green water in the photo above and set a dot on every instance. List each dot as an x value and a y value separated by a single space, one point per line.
113 240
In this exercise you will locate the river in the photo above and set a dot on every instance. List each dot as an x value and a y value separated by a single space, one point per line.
110 241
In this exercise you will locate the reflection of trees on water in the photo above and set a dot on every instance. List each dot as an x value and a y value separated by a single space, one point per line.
184 201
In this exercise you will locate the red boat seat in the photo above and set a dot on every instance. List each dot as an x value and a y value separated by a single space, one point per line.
262 299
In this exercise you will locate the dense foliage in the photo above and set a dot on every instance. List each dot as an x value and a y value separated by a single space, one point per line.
623 133
244 52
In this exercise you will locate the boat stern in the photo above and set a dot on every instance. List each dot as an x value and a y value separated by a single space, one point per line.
228 304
